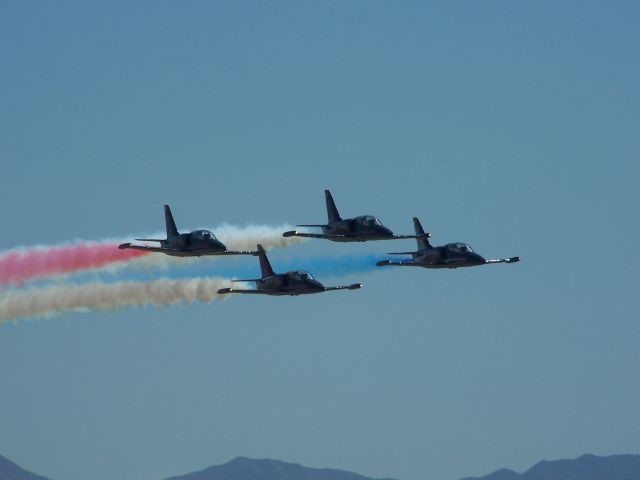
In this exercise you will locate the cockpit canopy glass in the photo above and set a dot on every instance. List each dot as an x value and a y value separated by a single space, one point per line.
301 274
369 220
204 235
463 247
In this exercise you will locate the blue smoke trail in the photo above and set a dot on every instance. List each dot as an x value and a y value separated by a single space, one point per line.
245 267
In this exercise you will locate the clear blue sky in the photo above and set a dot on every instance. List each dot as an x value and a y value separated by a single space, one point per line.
512 126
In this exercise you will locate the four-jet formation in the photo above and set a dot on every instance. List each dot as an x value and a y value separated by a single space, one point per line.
298 282
192 244
337 229
451 255
358 229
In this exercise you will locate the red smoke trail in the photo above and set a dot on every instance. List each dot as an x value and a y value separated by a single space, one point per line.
27 264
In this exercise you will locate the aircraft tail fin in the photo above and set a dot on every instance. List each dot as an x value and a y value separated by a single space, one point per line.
423 239
332 211
265 266
172 231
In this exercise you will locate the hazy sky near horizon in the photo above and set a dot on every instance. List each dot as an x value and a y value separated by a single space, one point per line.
512 126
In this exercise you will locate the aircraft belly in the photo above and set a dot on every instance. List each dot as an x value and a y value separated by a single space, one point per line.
435 265
177 254
190 253
290 292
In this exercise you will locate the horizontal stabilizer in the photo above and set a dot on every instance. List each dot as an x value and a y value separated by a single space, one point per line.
247 280
310 225
401 253
149 240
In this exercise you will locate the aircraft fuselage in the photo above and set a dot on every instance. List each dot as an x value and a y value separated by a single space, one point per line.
452 255
190 245
446 256
359 229
290 283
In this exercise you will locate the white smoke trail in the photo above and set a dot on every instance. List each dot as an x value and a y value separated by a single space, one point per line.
23 264
246 238
234 237
52 300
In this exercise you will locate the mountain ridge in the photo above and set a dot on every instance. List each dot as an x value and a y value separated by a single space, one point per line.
11 471
244 468
585 467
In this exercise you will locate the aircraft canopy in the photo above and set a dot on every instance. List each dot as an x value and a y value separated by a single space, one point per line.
463 247
204 235
369 220
302 275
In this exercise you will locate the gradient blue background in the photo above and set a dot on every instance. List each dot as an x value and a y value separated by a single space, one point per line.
509 125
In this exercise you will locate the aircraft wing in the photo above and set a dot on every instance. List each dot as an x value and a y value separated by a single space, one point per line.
224 291
146 248
404 237
383 263
238 252
353 286
295 233
504 260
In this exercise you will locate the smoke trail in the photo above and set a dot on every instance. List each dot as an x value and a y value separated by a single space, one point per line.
48 301
338 265
324 267
102 295
20 265
246 238
235 238
25 264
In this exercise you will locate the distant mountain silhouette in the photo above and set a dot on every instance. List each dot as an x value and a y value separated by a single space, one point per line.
242 468
11 471
586 467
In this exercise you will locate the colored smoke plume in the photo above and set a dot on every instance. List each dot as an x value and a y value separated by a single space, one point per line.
24 264
52 300
21 265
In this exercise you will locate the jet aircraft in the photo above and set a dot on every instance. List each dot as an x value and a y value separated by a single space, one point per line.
192 244
297 282
451 255
359 229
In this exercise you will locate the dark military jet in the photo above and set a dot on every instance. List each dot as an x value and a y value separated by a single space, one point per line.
296 282
192 244
358 229
451 255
